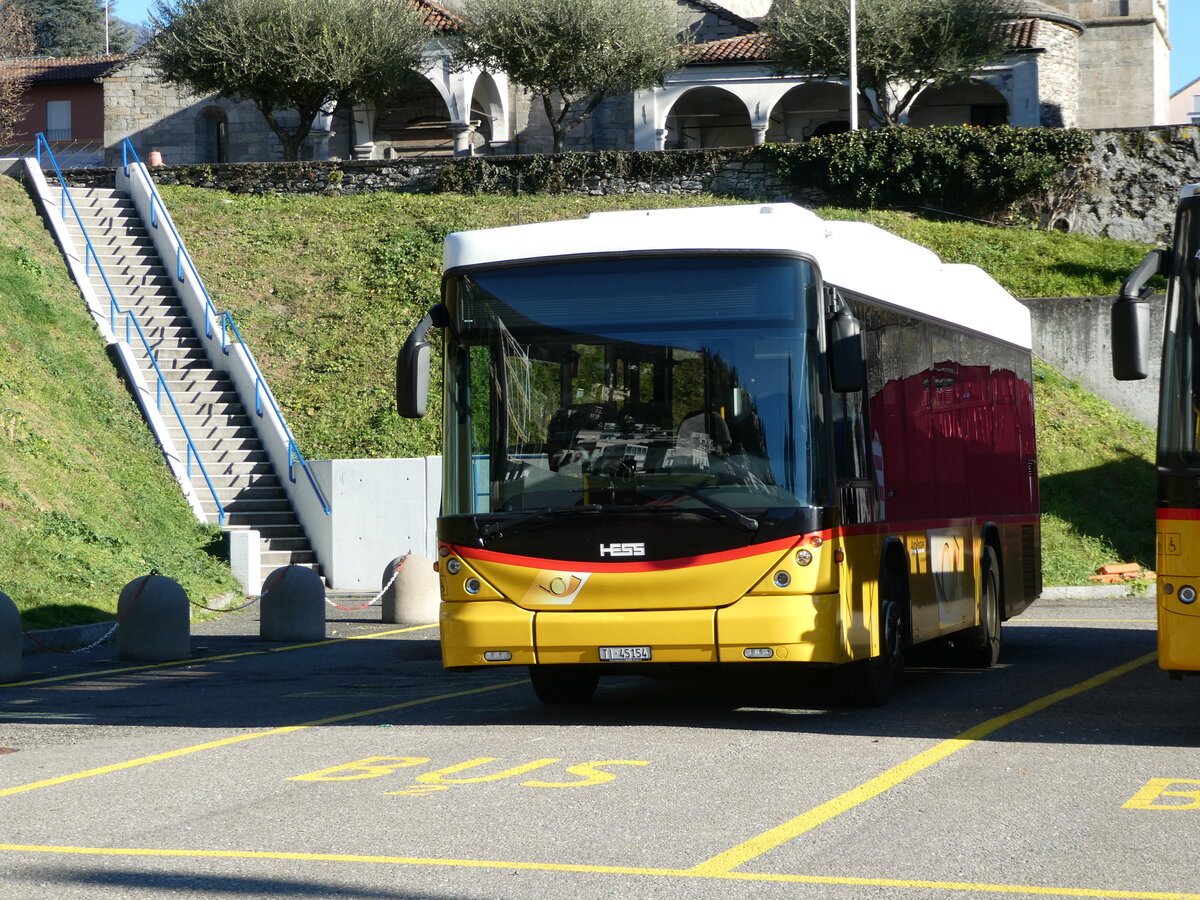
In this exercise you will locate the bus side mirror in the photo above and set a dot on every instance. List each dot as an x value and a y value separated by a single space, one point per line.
412 379
1131 319
847 374
412 367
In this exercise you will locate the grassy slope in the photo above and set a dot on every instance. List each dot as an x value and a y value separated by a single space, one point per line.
86 502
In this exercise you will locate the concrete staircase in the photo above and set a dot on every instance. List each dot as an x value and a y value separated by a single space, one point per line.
219 425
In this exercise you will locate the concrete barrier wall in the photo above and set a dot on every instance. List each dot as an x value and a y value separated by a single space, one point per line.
1073 335
382 509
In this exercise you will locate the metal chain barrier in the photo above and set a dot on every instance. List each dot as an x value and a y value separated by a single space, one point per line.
249 602
378 597
224 609
96 643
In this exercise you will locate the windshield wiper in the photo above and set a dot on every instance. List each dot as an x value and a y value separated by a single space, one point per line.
535 519
726 513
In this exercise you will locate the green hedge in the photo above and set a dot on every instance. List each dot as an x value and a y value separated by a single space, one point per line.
572 172
962 169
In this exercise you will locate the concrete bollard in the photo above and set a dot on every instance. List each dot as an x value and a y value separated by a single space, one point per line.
415 595
155 620
293 605
10 640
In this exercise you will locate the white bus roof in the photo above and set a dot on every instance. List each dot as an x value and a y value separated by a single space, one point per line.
855 256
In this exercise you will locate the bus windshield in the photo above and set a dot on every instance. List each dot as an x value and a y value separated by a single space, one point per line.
652 383
1179 417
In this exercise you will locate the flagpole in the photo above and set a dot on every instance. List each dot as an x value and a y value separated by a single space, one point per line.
106 26
853 67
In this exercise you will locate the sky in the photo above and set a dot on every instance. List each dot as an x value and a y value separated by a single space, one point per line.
1185 35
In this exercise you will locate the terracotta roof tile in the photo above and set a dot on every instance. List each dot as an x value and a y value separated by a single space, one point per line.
436 17
742 48
65 70
1022 34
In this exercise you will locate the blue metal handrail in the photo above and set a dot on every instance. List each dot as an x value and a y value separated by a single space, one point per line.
226 323
115 311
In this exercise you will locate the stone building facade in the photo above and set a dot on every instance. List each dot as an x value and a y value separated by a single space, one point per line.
1083 63
1124 61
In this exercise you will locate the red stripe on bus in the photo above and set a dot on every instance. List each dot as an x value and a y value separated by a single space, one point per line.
681 562
1179 515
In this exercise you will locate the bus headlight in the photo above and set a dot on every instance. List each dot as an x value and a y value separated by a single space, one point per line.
453 565
804 557
782 579
472 585
1187 594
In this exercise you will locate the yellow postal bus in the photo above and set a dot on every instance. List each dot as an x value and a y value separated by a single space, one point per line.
738 435
1178 426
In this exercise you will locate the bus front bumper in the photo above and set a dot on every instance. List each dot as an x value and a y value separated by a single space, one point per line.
803 628
1178 640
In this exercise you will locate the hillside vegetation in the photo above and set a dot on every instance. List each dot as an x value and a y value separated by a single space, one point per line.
86 502
325 290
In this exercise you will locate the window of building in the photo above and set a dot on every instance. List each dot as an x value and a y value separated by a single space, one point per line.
58 120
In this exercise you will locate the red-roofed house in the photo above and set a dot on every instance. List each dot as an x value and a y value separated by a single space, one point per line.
64 100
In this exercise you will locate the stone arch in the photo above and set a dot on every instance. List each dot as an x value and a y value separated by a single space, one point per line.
968 103
212 135
708 117
488 116
811 110
414 120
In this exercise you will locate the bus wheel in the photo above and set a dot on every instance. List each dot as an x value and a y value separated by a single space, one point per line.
563 685
980 646
873 680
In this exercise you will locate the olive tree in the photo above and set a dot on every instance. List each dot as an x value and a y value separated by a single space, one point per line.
904 46
574 53
299 55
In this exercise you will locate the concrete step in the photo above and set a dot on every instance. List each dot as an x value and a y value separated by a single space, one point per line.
210 448
225 455
249 481
107 225
128 281
110 243
274 560
213 435
170 357
270 502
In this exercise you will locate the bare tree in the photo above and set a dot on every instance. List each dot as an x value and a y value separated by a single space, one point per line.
904 46
284 55
574 53
16 42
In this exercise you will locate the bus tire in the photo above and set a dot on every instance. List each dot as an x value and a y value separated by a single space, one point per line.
873 680
980 645
563 685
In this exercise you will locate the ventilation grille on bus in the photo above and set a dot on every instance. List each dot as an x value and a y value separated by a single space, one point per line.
1029 560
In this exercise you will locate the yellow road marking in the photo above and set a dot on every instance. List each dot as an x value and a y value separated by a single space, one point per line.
241 738
1046 890
743 853
205 659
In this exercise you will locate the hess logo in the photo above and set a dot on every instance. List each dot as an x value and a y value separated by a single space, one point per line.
623 549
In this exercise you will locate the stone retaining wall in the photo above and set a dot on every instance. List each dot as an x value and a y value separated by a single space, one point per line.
1128 191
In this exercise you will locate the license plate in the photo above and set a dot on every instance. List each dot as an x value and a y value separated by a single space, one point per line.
624 654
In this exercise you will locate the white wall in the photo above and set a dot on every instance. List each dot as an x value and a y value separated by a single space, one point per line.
382 509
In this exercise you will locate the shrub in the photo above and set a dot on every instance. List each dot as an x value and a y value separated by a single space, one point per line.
963 169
